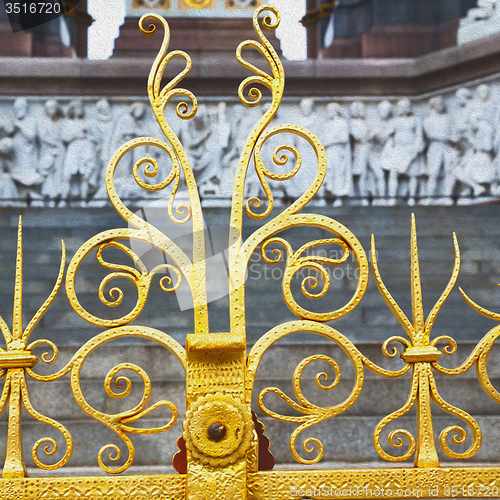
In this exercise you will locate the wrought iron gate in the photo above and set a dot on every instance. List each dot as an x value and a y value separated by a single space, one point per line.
223 450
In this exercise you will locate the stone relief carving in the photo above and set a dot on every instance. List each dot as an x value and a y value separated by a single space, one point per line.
442 154
480 21
441 149
80 170
484 10
358 130
335 136
51 150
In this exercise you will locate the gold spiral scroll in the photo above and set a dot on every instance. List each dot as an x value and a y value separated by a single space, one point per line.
312 414
192 268
240 252
421 352
118 422
15 362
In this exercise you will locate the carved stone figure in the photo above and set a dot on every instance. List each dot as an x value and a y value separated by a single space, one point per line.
336 140
484 10
441 154
102 131
476 167
7 128
402 156
480 102
209 180
462 126
379 136
25 159
8 189
305 176
80 169
128 126
481 21
360 148
198 138
51 150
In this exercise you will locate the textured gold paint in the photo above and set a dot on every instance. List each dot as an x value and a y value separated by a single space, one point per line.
219 377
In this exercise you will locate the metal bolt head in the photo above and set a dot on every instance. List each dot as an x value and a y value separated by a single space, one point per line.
216 431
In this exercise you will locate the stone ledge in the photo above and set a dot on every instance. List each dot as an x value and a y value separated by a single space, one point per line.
408 76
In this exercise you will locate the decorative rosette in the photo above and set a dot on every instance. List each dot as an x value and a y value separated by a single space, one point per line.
218 429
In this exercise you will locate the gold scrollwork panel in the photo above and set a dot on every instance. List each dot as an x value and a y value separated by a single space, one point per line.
311 414
381 483
119 422
153 487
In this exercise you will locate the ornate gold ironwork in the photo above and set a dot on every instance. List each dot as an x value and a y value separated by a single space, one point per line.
220 441
15 361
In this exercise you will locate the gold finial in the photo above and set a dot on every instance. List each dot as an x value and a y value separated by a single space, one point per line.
17 315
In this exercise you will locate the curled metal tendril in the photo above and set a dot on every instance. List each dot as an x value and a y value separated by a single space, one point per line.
161 97
119 381
460 435
268 52
261 78
151 169
322 377
263 173
50 448
140 277
311 413
448 349
120 422
309 445
144 172
299 370
45 356
297 262
281 159
394 351
115 457
169 91
394 437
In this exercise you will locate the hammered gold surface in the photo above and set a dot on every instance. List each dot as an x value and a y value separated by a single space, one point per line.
221 443
237 421
172 487
412 483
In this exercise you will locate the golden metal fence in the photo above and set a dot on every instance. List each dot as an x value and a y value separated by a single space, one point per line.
224 453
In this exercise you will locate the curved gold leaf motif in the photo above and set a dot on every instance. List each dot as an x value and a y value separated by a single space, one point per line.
16 360
297 262
460 435
312 414
192 269
119 422
423 354
240 252
394 437
55 290
51 447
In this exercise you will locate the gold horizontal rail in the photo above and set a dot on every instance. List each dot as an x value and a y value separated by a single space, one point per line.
382 483
172 487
